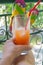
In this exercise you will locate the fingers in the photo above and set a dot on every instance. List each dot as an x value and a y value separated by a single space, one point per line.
22 47
17 48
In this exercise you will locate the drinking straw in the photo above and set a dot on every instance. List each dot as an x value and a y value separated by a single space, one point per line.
31 11
34 7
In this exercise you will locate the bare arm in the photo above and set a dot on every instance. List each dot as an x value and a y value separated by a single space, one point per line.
6 61
8 54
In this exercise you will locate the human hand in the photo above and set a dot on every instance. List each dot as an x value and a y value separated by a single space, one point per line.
12 51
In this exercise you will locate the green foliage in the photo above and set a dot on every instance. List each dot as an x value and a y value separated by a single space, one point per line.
8 8
1 46
29 6
38 22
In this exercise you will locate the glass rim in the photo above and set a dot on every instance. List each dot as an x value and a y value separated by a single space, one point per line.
21 16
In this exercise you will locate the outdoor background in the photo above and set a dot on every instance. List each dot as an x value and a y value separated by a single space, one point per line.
5 21
5 13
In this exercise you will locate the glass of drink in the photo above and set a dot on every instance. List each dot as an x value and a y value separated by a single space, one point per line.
21 30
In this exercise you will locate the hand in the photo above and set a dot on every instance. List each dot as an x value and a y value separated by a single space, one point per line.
10 49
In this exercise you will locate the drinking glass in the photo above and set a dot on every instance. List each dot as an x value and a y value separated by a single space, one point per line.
21 30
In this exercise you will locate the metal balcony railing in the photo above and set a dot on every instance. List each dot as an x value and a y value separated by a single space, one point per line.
5 34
